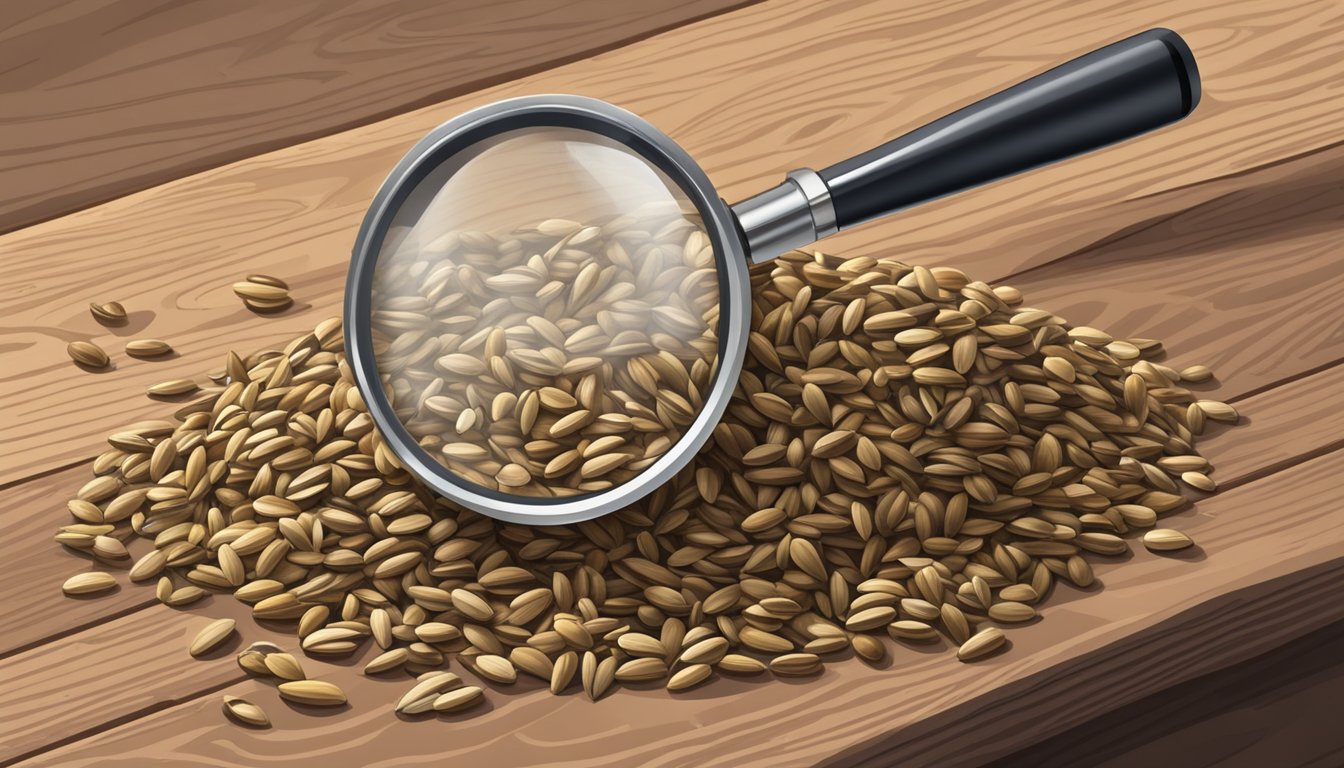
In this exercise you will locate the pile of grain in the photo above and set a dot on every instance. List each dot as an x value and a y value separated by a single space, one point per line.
907 453
561 359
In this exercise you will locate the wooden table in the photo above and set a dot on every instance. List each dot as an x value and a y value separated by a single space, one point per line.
155 156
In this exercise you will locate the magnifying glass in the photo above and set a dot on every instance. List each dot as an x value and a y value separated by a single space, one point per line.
548 305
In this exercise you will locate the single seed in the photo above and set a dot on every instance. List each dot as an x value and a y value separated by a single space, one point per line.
108 313
981 644
317 693
284 666
459 699
689 677
246 712
211 637
87 353
1166 540
147 348
88 583
173 387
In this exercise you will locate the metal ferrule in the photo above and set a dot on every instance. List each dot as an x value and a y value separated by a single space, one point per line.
794 214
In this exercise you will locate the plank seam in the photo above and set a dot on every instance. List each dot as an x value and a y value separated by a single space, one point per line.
129 717
76 629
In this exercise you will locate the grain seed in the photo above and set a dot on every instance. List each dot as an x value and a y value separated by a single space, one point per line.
87 353
88 583
981 644
317 693
211 637
1166 540
147 348
245 712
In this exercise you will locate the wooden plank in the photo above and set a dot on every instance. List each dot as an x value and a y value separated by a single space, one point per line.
1128 638
1280 708
1307 408
33 567
107 98
775 85
134 664
1245 254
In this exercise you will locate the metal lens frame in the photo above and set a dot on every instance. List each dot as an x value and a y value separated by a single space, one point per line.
441 146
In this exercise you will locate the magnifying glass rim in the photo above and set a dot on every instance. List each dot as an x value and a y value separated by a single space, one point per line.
464 131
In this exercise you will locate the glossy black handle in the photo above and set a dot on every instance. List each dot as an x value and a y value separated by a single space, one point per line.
1111 94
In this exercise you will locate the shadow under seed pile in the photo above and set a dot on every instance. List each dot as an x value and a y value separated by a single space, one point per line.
908 454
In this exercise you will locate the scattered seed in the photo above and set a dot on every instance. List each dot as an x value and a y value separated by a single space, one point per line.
245 712
211 637
981 644
147 348
89 583
173 387
1166 540
88 354
108 313
317 693
263 293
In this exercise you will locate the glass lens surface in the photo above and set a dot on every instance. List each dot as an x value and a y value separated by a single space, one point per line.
545 313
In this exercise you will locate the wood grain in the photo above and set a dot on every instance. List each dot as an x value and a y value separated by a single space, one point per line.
1244 255
775 86
30 579
1129 638
106 98
1279 709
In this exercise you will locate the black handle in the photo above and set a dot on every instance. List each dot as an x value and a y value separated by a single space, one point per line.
1111 94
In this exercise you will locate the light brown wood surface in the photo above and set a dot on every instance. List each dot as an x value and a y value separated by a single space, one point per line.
1129 637
144 643
107 97
172 252
1219 236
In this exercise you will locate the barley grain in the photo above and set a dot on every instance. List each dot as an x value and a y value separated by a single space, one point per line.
211 637
148 348
245 712
88 583
317 693
1166 540
88 354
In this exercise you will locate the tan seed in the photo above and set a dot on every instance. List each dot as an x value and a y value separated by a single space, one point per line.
87 353
173 387
211 637
459 699
689 677
108 313
246 712
317 693
1166 540
88 583
981 644
284 666
147 348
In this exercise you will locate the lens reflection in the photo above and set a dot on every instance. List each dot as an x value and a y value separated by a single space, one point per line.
545 313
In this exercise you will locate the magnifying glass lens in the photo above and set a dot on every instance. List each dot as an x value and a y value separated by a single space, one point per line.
545 313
